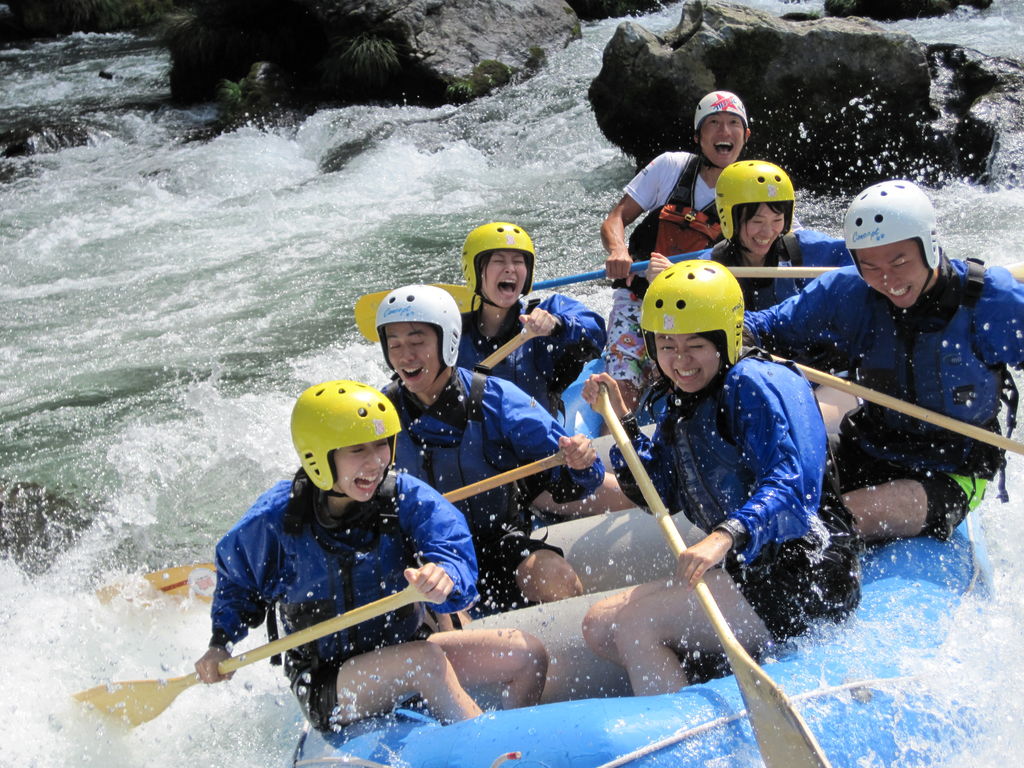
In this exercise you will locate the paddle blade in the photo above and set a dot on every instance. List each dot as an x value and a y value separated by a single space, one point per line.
782 735
135 701
197 580
366 307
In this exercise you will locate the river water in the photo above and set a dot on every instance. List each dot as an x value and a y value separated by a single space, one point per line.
162 302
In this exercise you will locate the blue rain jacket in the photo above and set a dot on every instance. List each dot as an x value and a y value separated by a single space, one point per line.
450 446
753 450
544 366
953 365
319 573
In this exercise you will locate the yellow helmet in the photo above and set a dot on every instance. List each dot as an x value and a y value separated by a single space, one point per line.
496 236
751 181
337 414
694 296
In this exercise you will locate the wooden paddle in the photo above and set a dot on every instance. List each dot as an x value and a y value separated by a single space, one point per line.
888 401
782 735
366 306
554 460
139 701
1017 270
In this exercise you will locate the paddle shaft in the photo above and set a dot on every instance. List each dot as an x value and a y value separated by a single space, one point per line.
506 349
782 735
348 619
1017 270
888 401
554 460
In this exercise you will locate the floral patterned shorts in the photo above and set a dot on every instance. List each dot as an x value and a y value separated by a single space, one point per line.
625 355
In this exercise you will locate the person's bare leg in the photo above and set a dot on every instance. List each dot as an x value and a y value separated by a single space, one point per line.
655 622
893 510
833 405
545 576
513 659
608 497
371 683
602 620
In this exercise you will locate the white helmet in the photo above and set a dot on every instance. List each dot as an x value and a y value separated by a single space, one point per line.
719 101
889 212
423 304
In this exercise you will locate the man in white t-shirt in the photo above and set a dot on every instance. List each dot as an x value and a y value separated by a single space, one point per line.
678 191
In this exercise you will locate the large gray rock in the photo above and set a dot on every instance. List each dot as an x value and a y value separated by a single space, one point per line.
837 102
416 51
449 39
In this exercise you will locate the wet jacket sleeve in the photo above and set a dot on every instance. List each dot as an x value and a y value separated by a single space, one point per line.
820 250
999 319
816 325
578 339
514 423
778 428
440 535
249 563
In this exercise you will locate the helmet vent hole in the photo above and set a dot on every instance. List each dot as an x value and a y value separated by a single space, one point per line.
760 179
410 297
362 412
859 221
380 407
659 303
680 304
318 393
879 218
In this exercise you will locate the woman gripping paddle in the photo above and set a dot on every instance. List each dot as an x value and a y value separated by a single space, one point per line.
346 531
499 263
742 452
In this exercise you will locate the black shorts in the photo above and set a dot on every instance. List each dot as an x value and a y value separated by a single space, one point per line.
498 560
947 503
789 589
797 584
316 685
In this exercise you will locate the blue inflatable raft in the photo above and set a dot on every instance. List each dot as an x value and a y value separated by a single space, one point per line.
859 686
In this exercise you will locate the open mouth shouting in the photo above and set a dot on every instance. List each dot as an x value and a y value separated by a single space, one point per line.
507 291
412 375
723 150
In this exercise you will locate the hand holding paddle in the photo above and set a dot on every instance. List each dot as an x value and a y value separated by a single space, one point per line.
782 735
139 701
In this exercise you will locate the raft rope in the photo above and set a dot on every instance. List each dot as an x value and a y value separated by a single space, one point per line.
352 760
699 730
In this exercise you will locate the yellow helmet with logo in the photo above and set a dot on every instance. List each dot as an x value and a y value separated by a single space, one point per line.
695 296
496 236
337 414
751 181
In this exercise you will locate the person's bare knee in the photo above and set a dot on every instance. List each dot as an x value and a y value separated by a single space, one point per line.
525 687
599 628
545 577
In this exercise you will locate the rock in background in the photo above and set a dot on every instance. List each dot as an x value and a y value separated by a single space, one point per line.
839 103
418 51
